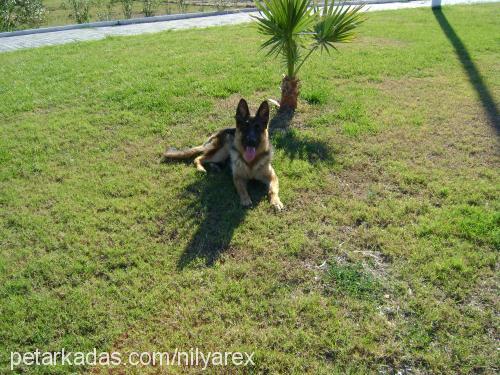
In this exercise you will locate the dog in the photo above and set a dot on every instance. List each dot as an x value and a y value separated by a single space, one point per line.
248 149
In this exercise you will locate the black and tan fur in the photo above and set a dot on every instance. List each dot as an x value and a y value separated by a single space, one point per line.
231 143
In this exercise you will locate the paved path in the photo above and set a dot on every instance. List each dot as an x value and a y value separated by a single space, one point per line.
68 36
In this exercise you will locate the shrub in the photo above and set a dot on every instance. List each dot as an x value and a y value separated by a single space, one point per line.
127 8
104 9
182 5
149 7
220 4
81 10
15 14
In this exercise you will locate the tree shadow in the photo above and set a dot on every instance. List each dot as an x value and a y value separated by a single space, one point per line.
282 120
303 147
216 206
468 65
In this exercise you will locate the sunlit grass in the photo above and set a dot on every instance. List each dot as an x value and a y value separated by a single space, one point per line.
384 259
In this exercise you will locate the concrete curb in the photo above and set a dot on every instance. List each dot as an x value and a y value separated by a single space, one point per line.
90 25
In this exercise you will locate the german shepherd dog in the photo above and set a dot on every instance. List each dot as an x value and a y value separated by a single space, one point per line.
248 149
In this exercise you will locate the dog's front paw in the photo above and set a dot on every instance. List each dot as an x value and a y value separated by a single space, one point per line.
200 168
246 202
277 205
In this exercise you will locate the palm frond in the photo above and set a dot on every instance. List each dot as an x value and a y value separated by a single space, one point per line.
336 24
297 28
286 22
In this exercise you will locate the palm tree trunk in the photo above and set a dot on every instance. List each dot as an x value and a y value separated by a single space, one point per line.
289 94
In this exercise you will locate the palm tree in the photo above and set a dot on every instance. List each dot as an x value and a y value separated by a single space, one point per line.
297 28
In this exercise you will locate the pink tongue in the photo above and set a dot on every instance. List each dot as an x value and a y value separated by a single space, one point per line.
249 154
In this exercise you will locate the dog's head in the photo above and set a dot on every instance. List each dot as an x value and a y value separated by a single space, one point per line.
251 130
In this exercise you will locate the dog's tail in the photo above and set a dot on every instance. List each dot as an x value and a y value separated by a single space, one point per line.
174 154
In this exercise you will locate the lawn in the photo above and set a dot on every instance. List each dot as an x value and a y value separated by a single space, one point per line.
384 260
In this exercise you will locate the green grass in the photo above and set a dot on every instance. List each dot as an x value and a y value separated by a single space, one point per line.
384 260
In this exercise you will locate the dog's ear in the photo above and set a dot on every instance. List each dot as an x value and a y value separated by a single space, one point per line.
242 111
263 113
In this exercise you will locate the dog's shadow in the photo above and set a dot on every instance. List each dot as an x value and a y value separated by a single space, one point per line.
216 206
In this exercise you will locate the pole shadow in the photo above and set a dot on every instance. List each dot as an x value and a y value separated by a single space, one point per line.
470 68
216 205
